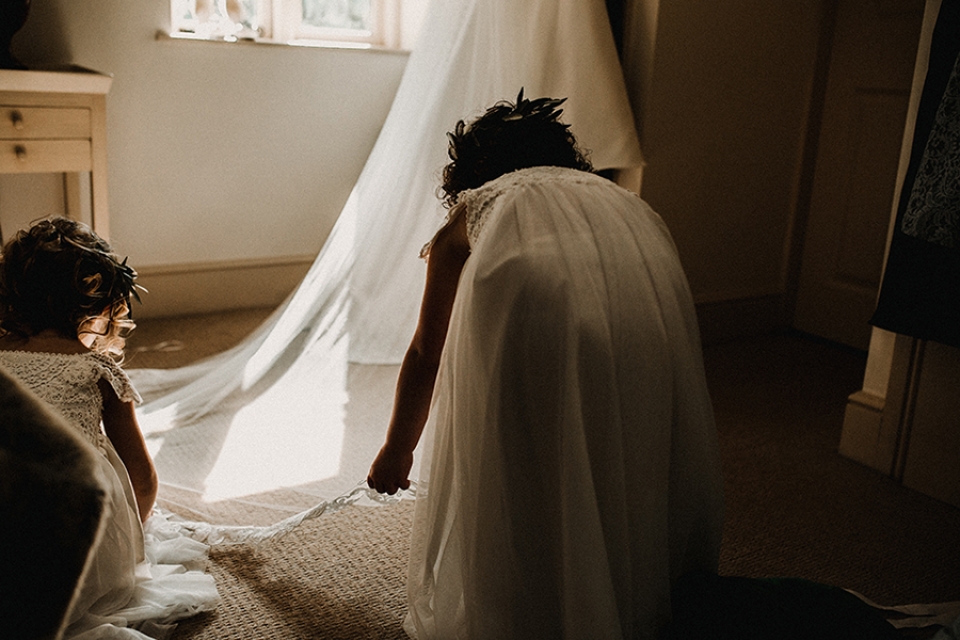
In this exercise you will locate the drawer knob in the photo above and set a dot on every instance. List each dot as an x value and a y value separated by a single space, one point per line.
21 152
16 118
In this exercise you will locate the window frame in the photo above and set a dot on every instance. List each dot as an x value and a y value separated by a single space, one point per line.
281 21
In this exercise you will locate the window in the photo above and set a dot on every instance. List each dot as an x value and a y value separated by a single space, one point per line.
347 22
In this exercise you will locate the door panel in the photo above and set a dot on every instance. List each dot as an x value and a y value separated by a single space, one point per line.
865 108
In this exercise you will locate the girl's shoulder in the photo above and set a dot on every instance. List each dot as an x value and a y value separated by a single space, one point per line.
453 227
479 203
53 344
73 368
484 195
114 374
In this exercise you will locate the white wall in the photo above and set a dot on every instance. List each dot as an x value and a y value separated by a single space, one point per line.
219 154
725 125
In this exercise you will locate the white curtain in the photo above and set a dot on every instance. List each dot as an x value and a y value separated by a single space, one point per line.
295 414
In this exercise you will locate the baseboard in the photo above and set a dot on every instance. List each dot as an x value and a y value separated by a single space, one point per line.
722 321
861 434
211 287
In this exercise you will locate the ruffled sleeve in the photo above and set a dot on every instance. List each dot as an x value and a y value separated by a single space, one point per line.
478 203
475 204
451 216
117 377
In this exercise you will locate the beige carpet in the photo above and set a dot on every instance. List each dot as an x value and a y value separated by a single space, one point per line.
794 506
340 576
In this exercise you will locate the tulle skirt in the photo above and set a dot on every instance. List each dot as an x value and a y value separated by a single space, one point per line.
570 471
140 579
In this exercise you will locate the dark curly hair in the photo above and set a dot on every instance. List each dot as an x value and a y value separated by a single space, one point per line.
60 275
508 137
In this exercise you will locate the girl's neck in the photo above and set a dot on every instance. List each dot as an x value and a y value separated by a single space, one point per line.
48 341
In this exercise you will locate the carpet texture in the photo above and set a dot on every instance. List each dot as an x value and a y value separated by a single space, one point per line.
338 577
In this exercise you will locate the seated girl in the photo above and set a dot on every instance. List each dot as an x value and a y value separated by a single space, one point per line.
64 310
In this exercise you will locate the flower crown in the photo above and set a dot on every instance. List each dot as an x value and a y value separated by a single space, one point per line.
539 109
52 237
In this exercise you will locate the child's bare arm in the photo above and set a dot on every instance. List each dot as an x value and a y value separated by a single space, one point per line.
120 425
418 372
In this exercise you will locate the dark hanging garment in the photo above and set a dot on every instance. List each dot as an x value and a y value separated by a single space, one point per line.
920 296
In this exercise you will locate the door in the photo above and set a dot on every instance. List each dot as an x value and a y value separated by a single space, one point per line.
858 150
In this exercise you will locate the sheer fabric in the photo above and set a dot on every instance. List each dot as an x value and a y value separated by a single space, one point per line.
574 471
304 402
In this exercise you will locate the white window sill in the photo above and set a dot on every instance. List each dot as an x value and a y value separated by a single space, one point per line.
320 44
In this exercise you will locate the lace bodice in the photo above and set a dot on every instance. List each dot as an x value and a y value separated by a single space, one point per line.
477 204
68 382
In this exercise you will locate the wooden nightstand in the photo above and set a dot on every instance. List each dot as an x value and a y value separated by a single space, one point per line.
55 121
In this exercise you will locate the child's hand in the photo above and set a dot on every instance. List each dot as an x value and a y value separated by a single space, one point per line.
390 470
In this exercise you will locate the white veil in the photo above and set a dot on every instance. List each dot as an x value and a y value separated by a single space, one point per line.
295 414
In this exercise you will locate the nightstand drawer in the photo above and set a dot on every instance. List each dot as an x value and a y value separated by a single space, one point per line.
44 156
43 123
55 121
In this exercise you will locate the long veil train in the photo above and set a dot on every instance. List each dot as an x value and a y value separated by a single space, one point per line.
294 414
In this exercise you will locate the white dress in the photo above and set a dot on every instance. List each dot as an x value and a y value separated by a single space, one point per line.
574 472
138 576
